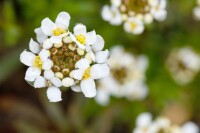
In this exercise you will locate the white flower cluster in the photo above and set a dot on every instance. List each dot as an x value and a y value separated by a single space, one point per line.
145 124
196 11
134 13
183 64
61 58
126 79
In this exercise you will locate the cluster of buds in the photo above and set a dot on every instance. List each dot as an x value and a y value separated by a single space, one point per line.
134 13
146 124
126 79
183 65
61 58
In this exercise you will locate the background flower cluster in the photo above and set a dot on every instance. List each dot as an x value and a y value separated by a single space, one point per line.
170 79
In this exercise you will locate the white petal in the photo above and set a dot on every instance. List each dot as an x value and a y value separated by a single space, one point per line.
91 37
98 45
44 55
80 29
88 88
34 46
76 88
99 71
62 20
82 63
102 56
48 74
40 36
47 64
47 44
116 3
40 82
56 39
32 73
116 16
54 94
47 26
56 81
78 74
160 15
106 13
27 58
67 82
102 97
144 120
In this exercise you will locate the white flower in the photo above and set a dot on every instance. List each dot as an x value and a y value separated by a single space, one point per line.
36 63
189 127
55 30
62 59
134 25
87 75
196 13
127 77
112 15
158 10
183 65
82 37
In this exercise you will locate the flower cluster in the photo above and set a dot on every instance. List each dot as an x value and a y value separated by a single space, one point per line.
61 58
126 79
196 11
145 124
134 13
183 64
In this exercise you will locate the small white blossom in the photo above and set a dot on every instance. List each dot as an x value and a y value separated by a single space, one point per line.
134 25
183 65
58 29
82 37
88 74
158 10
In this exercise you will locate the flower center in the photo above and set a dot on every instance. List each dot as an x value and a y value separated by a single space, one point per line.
119 74
58 31
133 25
87 73
136 6
64 58
81 38
37 62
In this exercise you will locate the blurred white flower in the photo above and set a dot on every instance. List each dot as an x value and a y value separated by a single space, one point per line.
146 124
62 59
134 25
158 10
183 65
134 13
127 77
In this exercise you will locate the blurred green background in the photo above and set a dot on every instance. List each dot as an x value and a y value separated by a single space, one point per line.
26 110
